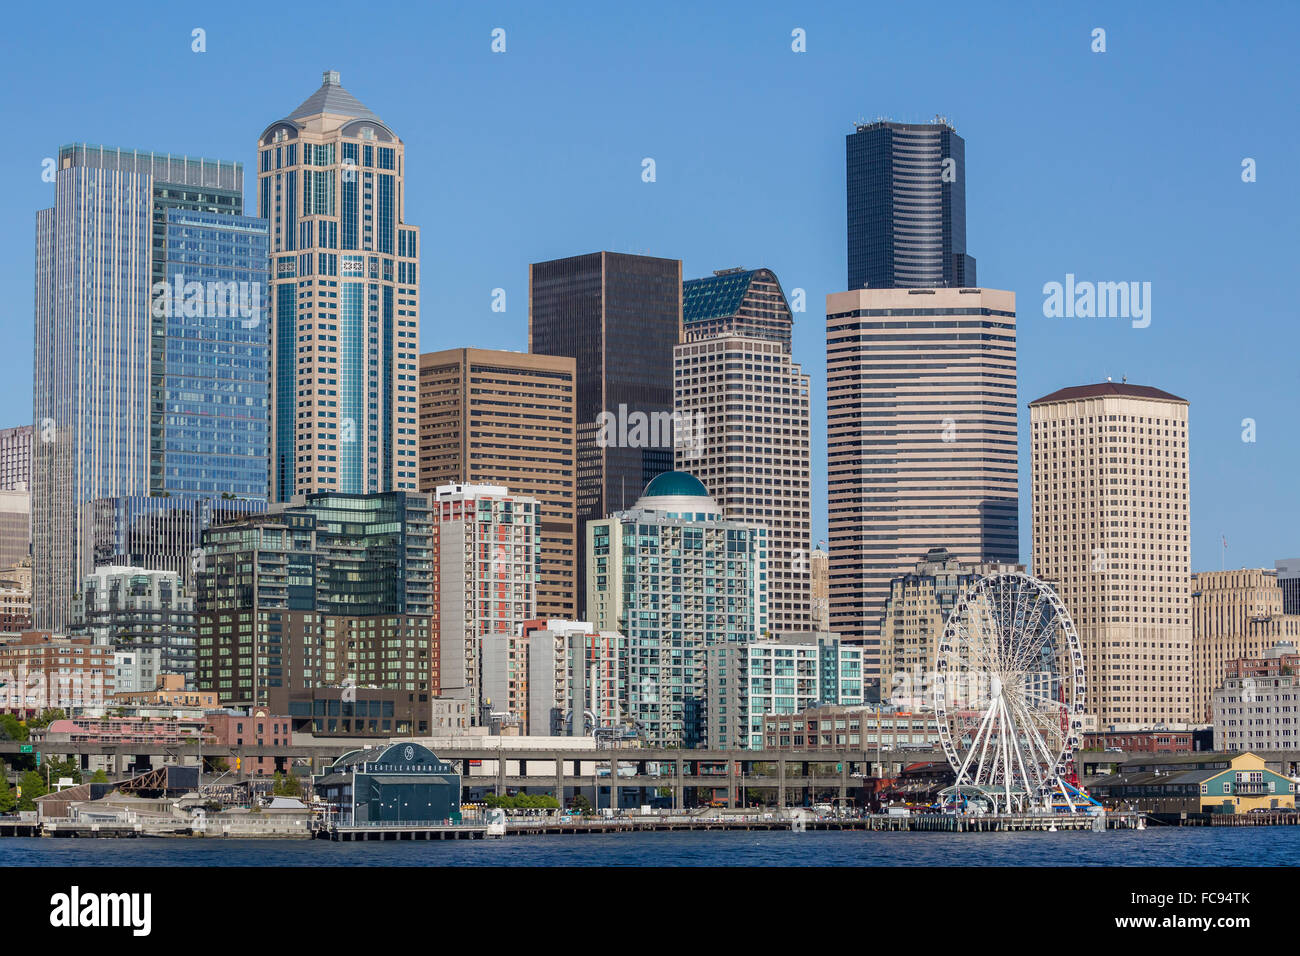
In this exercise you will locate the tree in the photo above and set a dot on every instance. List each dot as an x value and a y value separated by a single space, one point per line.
99 776
47 717
581 804
286 786
11 728
33 786
7 798
65 768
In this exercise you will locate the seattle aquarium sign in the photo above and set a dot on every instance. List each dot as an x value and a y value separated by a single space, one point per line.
408 759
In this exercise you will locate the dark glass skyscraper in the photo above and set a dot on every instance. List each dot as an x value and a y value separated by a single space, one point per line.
906 187
620 316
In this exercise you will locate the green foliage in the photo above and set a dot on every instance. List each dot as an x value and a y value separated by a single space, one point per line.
47 717
11 728
65 768
33 786
522 801
8 800
99 776
286 786
581 805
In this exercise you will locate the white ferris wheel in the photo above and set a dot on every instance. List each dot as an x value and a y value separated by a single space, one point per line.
1009 696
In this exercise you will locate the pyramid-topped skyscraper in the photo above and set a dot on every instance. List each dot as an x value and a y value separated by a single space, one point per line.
344 300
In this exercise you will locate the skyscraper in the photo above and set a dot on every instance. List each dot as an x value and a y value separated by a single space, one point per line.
921 439
907 206
913 621
1111 527
1236 615
15 527
819 570
749 303
619 316
344 299
16 458
101 338
675 577
208 436
1288 578
506 418
743 416
158 532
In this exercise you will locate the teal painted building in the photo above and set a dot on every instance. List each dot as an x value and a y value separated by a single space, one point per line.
403 783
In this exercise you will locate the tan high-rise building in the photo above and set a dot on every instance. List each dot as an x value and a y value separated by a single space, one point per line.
742 417
1111 531
916 613
344 299
1236 615
921 440
507 418
820 567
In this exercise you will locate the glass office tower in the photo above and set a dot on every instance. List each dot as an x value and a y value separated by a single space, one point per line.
98 351
906 187
213 438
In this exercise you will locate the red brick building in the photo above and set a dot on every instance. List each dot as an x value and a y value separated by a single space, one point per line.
1140 741
43 670
258 728
1278 660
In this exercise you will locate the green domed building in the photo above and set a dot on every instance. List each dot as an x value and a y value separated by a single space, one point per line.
675 576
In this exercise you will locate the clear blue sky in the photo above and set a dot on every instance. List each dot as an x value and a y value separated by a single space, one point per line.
1123 165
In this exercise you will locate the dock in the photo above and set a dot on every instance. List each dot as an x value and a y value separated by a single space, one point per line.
658 823
398 831
1225 819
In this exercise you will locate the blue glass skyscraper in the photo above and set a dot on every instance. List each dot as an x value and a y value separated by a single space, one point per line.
213 438
101 342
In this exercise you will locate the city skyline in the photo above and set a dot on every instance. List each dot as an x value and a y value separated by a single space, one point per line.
590 420
806 167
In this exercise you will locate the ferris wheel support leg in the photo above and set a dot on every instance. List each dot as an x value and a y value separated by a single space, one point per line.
1037 746
974 745
1004 739
1020 759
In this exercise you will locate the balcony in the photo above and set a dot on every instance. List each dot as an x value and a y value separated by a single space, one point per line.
1249 789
